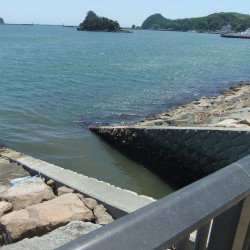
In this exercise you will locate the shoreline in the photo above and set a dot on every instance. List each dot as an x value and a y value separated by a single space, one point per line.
229 109
235 35
190 141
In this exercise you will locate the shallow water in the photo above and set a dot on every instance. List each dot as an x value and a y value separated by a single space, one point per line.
56 81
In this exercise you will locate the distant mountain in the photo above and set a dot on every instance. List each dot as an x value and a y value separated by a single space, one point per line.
1 21
213 22
93 22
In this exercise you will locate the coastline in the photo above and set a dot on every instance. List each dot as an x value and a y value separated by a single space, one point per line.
229 109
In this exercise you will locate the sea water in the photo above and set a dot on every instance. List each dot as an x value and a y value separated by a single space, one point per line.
56 81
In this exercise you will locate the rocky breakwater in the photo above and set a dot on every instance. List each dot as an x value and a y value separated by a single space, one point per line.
33 208
230 109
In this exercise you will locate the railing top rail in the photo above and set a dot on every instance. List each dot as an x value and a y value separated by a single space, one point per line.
164 222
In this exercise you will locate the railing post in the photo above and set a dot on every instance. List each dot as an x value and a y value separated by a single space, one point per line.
201 237
246 245
224 228
183 244
242 237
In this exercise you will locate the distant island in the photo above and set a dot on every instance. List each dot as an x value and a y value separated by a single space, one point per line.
92 22
212 23
1 21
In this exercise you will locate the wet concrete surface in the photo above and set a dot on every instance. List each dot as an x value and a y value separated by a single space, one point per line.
10 170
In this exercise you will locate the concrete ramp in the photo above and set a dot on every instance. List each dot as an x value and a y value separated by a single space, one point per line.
180 154
118 201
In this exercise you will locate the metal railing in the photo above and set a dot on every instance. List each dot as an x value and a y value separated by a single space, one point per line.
217 207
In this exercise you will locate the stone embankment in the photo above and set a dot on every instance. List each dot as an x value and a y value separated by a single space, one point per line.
188 142
33 208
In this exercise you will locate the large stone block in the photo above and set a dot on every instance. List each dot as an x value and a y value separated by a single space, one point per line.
5 207
90 203
27 193
39 219
102 216
64 190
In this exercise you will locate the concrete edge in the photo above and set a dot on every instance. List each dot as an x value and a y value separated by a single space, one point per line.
118 201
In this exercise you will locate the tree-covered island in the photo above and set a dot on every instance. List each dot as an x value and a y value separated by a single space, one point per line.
1 21
211 23
92 22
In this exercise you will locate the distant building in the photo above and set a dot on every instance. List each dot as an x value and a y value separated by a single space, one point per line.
226 29
247 32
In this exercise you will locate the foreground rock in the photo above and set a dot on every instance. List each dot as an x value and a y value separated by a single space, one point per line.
102 216
56 238
90 203
5 207
27 193
3 188
64 190
39 219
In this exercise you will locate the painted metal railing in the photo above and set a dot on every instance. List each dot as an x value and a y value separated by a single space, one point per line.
212 213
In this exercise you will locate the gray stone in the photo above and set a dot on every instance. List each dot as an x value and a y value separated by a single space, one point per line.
5 207
27 193
64 190
102 216
56 238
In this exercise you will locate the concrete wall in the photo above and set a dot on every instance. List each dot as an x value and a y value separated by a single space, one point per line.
182 155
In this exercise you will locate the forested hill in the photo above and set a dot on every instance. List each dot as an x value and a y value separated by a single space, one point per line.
213 22
92 22
1 20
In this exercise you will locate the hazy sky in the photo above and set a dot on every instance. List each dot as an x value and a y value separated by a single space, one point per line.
126 12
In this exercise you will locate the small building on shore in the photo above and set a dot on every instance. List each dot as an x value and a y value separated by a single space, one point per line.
247 32
226 28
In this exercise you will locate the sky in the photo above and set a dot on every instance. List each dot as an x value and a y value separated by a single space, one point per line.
126 12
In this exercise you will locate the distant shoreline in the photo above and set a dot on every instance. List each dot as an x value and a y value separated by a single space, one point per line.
106 31
28 24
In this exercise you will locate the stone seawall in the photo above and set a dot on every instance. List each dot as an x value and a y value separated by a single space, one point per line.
180 154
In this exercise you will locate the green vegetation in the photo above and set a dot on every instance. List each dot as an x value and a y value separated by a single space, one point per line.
1 20
93 22
211 23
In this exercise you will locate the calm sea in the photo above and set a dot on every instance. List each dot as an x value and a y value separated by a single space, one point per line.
55 81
